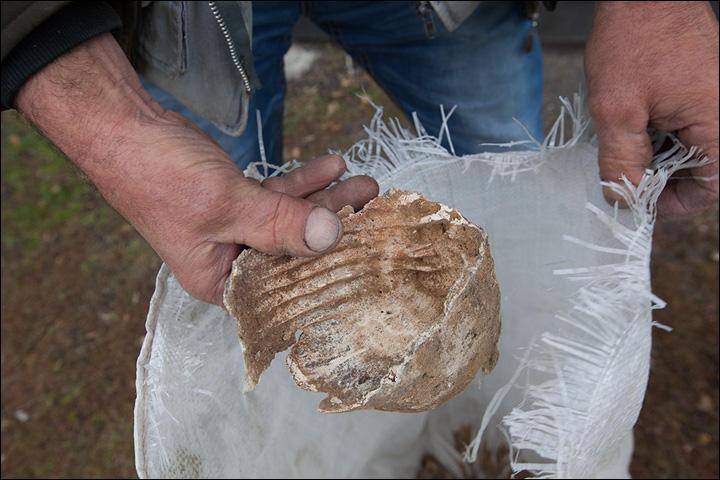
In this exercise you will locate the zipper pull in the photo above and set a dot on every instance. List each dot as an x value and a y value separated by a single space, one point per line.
531 33
424 9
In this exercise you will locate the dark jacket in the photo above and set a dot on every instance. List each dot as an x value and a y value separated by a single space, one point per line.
183 47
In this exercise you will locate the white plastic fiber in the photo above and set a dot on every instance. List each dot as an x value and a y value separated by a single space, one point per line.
574 350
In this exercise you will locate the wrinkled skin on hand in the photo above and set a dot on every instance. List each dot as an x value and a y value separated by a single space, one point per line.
655 64
173 182
200 211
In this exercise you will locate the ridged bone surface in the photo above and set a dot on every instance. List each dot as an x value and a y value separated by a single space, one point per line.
399 317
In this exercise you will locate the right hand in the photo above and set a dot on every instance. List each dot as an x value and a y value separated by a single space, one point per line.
173 182
197 210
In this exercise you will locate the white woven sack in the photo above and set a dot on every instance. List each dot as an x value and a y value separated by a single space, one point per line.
574 275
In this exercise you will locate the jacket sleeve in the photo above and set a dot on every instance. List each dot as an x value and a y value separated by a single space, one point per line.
35 33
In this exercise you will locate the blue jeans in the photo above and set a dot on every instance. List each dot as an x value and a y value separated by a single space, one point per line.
481 67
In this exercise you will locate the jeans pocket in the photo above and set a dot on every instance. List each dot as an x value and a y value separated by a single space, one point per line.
162 39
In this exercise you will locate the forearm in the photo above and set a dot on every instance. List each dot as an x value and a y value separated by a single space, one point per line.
89 102
172 181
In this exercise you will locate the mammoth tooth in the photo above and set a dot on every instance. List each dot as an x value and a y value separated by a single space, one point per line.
399 317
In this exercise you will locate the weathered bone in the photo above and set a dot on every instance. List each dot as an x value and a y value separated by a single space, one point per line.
399 317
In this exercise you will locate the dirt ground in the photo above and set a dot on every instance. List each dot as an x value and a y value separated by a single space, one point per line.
77 279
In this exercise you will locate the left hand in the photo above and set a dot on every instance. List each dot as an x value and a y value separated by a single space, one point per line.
655 64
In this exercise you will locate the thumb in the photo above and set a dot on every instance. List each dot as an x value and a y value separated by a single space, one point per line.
278 223
622 151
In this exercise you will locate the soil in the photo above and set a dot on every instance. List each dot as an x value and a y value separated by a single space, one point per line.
77 279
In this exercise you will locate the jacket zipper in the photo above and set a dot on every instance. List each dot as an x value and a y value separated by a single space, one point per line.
424 9
231 45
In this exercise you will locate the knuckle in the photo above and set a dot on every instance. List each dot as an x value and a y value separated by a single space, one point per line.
284 222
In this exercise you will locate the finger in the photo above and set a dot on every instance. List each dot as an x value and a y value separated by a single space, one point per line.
628 156
695 189
316 175
624 147
355 191
688 194
278 223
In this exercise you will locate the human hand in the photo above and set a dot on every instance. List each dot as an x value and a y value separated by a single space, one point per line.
655 64
198 211
173 182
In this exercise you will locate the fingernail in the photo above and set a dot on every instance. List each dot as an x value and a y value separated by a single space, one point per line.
612 197
322 229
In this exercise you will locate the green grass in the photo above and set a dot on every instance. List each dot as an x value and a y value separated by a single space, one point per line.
42 190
